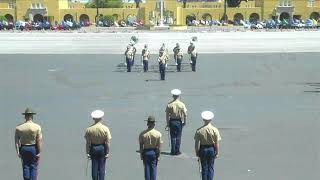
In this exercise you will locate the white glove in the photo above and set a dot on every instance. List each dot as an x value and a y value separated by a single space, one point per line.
190 62
125 63
166 65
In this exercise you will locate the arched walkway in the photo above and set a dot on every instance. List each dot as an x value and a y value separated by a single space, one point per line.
68 17
84 18
237 18
206 17
9 17
38 18
285 16
315 15
254 17
190 18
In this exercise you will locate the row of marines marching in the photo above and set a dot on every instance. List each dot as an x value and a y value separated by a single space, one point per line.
162 59
28 142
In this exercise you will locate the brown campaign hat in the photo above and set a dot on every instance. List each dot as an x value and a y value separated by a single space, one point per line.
28 111
151 119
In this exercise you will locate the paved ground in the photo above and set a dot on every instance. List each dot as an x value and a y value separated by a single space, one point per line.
115 43
266 106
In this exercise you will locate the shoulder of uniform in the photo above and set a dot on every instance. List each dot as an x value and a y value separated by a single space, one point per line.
200 128
19 125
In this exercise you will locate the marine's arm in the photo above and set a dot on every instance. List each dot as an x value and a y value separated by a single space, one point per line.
17 143
39 142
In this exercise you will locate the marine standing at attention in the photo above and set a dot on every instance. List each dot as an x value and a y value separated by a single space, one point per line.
192 51
129 57
176 117
207 140
150 144
28 143
162 60
145 56
98 139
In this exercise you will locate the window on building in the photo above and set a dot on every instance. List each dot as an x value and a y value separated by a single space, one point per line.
33 6
311 3
11 5
285 3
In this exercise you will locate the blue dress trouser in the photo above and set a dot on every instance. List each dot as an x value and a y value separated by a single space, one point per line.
98 153
194 63
175 134
150 164
179 64
162 68
207 157
129 62
29 162
145 65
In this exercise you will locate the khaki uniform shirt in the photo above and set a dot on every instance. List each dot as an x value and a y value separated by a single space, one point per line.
28 133
129 53
207 135
179 55
97 134
192 51
145 54
162 59
176 109
150 138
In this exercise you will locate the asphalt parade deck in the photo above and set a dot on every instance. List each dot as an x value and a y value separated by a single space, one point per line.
266 106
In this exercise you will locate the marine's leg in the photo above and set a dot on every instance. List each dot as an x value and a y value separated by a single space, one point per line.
204 164
147 166
34 164
153 164
211 158
102 162
178 139
94 163
26 162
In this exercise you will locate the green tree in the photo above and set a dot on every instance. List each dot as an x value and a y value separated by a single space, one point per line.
104 4
2 18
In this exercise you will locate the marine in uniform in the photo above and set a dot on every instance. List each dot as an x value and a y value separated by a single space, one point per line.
192 51
162 60
176 117
207 140
150 144
163 49
175 52
28 143
129 54
134 50
179 57
145 56
98 139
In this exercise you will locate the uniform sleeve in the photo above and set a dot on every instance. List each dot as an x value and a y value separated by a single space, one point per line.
39 134
196 136
185 108
167 108
140 138
108 135
86 136
218 134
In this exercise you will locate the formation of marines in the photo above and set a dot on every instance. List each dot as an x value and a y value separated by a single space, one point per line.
163 57
28 141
